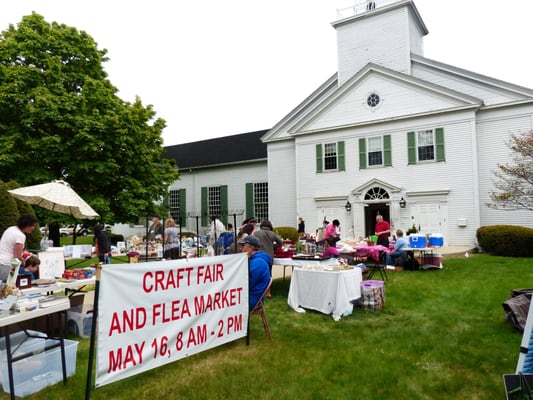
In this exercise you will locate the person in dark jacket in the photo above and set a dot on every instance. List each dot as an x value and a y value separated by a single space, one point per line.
102 244
301 228
259 273
269 240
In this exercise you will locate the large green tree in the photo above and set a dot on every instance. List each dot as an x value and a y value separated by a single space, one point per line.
61 118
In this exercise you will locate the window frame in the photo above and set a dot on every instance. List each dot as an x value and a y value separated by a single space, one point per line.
386 152
320 151
414 148
208 209
177 205
255 191
374 154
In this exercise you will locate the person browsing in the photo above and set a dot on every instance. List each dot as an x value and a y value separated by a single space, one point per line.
155 231
330 250
171 240
12 243
102 244
332 230
301 228
269 240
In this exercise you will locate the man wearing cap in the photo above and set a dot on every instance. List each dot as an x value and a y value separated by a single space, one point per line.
259 273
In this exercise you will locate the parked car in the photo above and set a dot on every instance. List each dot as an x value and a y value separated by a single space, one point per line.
69 230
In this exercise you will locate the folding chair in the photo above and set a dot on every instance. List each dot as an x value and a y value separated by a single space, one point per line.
259 309
379 266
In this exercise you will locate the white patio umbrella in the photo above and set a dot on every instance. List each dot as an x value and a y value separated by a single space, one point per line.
56 196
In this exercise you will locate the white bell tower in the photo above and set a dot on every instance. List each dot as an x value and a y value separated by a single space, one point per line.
383 32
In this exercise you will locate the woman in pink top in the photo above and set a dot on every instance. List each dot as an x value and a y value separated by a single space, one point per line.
332 231
332 251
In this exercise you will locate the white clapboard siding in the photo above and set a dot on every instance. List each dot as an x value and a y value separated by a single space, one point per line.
235 177
493 133
282 187
397 99
385 39
490 94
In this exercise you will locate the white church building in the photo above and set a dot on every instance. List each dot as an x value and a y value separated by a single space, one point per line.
391 132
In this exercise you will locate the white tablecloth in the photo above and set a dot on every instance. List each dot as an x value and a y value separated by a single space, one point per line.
329 292
302 263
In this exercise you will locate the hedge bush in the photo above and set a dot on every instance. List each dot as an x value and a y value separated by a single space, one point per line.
506 240
287 232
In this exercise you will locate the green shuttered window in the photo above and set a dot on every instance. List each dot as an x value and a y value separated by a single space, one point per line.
214 203
426 145
330 157
375 151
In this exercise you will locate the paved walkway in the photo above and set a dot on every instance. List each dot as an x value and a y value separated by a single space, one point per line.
446 251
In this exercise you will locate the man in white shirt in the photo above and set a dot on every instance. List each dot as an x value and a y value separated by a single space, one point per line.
12 243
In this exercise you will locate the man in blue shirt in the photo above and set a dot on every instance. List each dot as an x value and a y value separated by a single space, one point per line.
259 271
397 256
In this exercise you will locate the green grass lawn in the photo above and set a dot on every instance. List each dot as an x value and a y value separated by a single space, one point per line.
67 240
442 335
89 239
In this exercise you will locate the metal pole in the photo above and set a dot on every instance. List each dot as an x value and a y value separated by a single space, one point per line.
197 238
93 332
215 244
163 240
146 242
179 239
235 232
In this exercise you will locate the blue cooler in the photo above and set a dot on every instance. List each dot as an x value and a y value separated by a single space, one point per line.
417 241
436 240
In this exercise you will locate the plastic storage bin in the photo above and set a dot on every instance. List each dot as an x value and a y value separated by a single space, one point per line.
43 369
78 322
417 241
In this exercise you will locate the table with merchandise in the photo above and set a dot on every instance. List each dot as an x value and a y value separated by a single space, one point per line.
300 260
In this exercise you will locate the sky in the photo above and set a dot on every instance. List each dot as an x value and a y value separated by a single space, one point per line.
214 68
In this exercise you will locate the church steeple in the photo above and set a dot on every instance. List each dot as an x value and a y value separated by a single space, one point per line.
383 32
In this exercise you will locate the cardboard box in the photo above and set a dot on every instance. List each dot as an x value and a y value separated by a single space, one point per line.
84 299
42 369
79 323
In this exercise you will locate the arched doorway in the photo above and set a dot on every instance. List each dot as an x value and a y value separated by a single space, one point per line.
377 202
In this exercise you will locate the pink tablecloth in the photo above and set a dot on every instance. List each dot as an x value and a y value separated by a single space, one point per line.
370 251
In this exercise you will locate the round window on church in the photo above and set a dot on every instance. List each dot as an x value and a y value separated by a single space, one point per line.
372 100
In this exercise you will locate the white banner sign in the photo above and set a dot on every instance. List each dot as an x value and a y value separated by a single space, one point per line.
151 314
